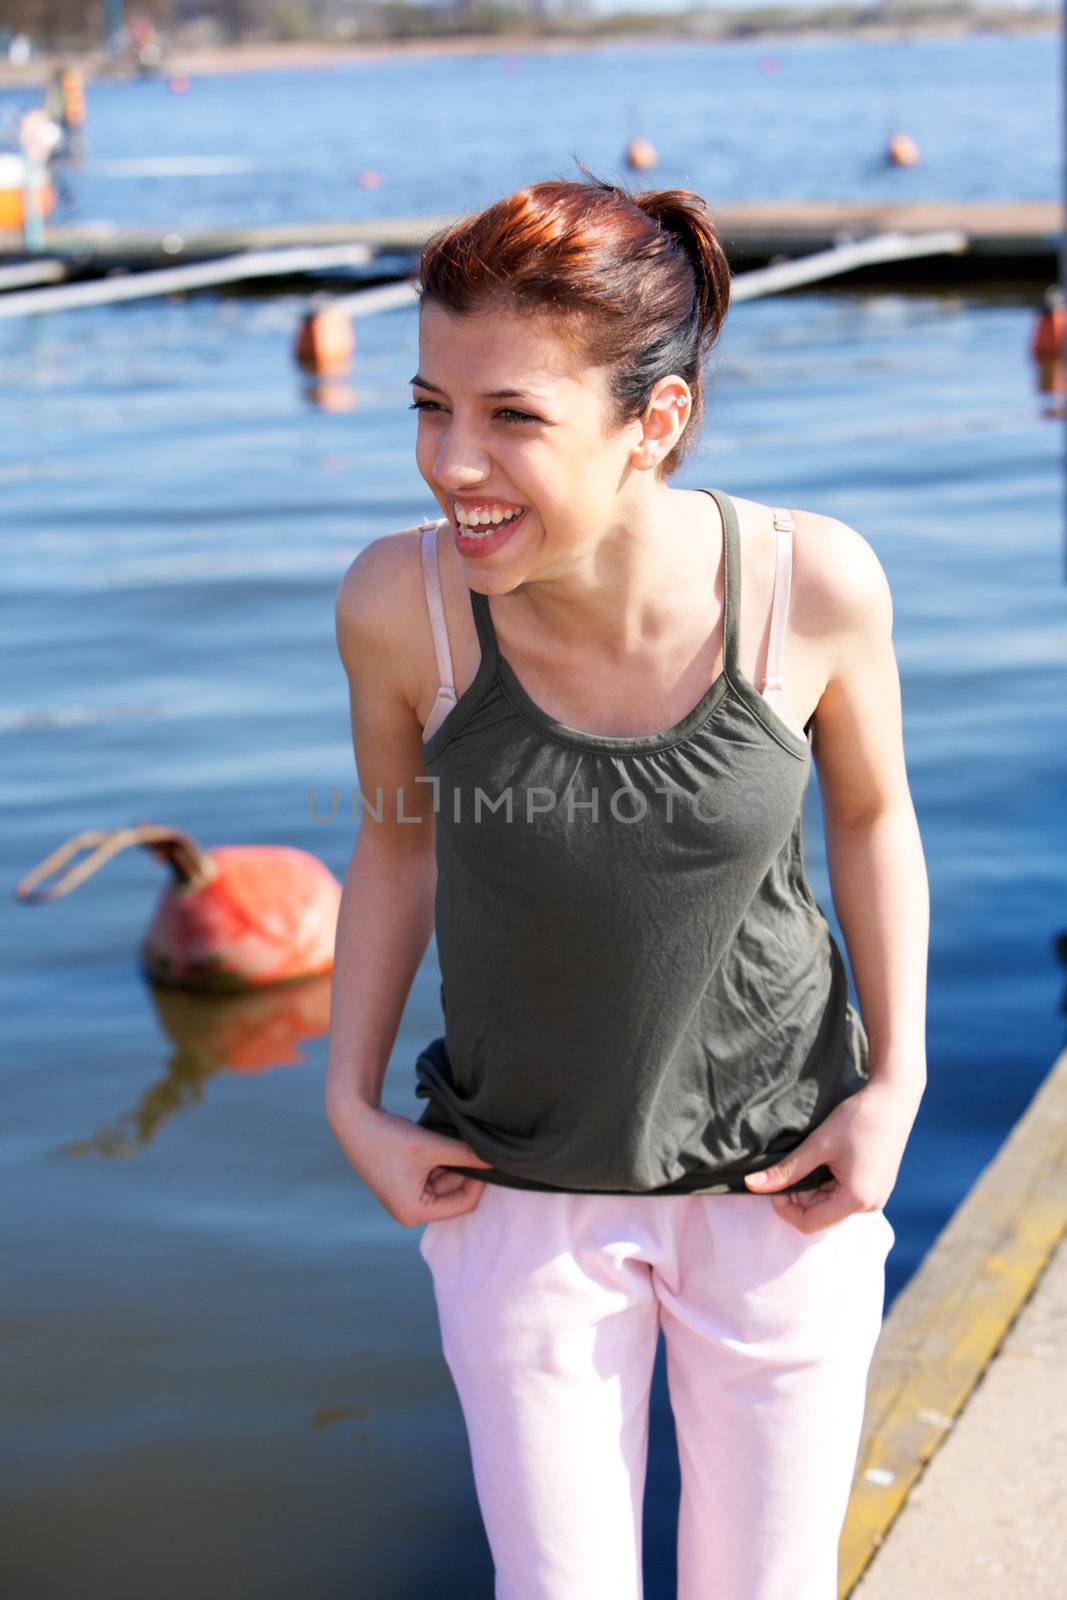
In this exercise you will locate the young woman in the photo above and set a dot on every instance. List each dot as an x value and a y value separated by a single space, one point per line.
585 704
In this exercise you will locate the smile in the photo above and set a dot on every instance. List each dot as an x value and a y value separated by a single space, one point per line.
482 539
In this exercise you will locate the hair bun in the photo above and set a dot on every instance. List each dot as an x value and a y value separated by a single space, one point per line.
687 216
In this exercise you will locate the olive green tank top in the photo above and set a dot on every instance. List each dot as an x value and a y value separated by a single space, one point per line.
640 993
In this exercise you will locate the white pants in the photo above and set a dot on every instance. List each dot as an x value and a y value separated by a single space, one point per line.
550 1306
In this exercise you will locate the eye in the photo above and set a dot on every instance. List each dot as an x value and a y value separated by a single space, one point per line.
506 413
517 416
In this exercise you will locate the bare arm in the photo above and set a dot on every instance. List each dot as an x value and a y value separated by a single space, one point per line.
383 929
879 888
386 913
874 852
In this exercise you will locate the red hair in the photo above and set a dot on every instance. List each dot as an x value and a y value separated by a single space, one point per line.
640 282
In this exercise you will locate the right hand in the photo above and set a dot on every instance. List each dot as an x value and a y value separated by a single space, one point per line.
399 1161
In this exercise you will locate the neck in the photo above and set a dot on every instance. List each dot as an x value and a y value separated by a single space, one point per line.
630 585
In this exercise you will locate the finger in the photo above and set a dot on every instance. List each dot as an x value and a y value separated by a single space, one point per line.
446 1183
460 1200
456 1153
788 1169
821 1213
472 1159
452 1184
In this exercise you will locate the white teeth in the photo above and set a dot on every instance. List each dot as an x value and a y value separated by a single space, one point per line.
485 519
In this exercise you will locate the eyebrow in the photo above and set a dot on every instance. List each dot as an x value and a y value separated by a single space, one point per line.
493 394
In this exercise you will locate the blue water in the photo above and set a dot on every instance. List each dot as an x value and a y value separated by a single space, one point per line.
759 119
221 1369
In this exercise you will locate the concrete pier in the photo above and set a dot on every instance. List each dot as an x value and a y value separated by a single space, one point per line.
961 1482
987 1517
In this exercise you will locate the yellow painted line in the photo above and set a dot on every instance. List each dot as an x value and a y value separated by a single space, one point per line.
950 1318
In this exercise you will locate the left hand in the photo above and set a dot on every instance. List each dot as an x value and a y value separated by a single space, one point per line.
862 1142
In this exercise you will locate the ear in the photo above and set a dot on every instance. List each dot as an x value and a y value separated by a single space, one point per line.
663 422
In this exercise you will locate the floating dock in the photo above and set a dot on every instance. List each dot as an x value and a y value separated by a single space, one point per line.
961 1480
1007 242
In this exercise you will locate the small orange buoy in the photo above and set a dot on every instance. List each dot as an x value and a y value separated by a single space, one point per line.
326 341
1046 345
902 150
1046 342
237 918
641 154
178 83
368 178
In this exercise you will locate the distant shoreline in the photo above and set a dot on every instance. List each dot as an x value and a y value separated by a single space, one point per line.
322 55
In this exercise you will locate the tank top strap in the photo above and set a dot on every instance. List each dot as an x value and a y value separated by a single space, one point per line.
731 579
484 624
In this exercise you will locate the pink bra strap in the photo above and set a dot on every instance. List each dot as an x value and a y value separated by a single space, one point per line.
432 576
783 571
446 692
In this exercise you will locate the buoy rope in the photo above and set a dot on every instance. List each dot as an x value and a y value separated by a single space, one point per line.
191 866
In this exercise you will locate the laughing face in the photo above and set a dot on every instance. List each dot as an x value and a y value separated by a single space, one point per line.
514 442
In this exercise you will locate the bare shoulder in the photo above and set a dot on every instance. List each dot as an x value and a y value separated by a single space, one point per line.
835 570
840 608
377 611
839 581
847 606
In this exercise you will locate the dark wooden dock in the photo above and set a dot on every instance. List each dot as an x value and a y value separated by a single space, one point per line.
1009 242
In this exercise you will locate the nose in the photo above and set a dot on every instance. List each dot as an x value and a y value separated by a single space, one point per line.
460 463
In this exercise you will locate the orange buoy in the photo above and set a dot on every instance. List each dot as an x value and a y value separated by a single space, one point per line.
902 150
1046 341
368 178
236 918
1046 347
326 341
641 154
